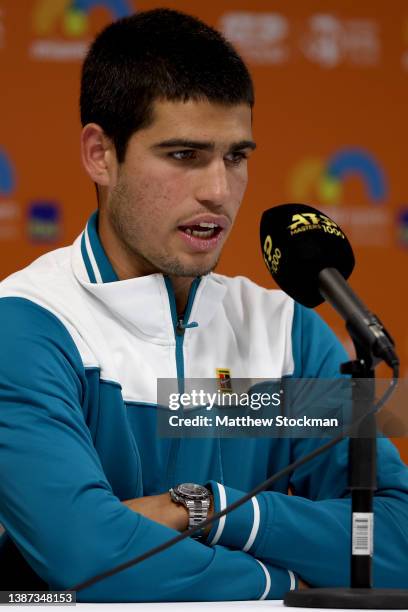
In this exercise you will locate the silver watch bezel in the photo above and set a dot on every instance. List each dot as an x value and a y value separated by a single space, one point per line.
190 490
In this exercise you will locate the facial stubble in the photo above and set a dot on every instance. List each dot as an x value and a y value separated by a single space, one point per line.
131 234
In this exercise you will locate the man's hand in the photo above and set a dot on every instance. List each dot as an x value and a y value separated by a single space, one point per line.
163 510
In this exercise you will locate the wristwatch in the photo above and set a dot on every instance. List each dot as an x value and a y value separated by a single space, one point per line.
196 499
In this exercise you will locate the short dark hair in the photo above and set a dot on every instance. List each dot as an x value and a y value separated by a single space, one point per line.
152 55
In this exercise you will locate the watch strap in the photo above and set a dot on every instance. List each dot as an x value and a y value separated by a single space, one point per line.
197 512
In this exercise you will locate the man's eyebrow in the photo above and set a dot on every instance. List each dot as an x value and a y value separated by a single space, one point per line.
203 145
243 144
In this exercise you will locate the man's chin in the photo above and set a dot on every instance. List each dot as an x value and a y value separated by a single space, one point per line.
189 270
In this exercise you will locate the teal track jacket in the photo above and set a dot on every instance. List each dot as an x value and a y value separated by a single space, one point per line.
80 356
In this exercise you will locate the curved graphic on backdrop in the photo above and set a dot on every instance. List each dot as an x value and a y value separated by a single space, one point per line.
74 14
357 162
7 175
315 177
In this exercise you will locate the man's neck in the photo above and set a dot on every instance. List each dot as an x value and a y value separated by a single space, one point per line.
127 267
181 287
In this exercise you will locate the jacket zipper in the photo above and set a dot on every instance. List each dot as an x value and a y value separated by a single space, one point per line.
180 324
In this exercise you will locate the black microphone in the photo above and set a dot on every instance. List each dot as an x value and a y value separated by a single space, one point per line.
310 259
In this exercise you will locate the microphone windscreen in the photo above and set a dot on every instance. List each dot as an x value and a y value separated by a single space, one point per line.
298 242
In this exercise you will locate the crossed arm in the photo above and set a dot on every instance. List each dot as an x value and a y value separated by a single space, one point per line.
163 510
309 532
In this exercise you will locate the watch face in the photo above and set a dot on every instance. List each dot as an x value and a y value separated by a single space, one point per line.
192 491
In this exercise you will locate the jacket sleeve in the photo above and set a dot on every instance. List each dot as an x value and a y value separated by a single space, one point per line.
309 532
56 503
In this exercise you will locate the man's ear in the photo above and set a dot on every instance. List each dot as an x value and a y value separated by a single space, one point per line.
98 155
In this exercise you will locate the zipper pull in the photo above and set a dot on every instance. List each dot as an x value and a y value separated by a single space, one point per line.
181 326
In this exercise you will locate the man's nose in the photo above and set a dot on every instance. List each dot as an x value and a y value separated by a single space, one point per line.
213 188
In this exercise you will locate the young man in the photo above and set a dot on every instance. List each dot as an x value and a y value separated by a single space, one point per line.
166 106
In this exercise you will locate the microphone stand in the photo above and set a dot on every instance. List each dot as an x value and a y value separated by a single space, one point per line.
362 484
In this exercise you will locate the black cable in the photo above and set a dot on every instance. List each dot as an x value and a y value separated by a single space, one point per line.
261 487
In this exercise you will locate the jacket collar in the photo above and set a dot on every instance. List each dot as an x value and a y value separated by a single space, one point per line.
145 302
98 267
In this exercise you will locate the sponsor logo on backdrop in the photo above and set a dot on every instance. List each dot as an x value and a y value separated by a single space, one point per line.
402 227
326 40
322 182
9 208
61 26
331 42
44 221
262 38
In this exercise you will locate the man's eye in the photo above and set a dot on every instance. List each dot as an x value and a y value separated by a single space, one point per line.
236 158
183 155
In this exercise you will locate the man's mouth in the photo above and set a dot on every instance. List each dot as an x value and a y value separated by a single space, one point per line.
202 230
203 235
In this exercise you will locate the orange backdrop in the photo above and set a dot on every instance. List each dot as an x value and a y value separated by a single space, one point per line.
331 81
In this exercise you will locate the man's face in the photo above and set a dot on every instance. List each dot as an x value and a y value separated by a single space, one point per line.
177 193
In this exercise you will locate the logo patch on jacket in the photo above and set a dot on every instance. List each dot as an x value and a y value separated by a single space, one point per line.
224 379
